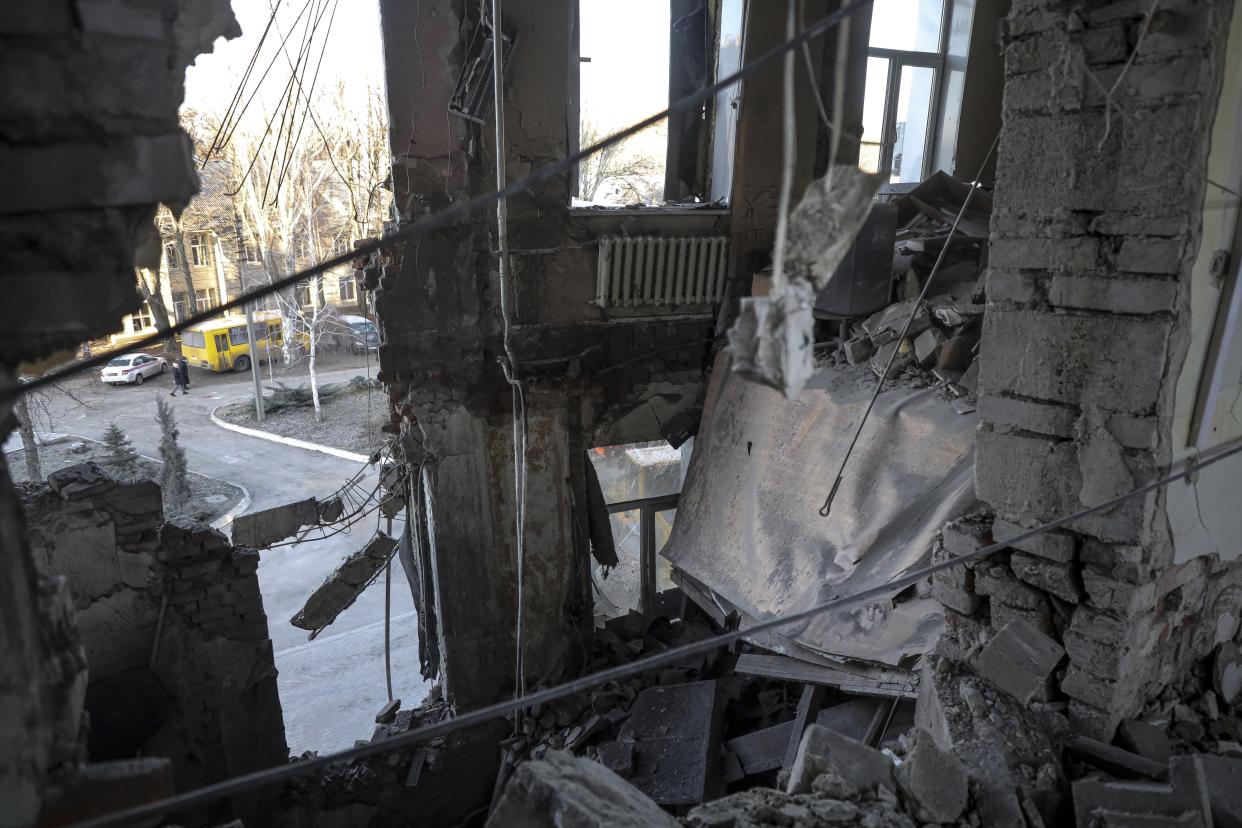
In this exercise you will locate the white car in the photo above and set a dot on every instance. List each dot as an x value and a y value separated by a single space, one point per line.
132 369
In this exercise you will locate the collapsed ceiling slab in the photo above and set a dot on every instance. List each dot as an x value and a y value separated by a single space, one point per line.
748 524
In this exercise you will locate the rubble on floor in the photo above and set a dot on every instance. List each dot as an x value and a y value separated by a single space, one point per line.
941 335
563 790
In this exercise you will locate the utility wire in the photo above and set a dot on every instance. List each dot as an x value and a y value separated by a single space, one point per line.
227 139
451 215
918 303
262 778
307 107
241 86
327 145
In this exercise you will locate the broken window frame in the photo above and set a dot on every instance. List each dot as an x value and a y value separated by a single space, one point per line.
713 168
648 508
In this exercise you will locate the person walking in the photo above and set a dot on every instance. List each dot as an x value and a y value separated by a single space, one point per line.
180 378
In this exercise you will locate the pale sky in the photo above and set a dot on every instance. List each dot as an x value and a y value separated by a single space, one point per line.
353 52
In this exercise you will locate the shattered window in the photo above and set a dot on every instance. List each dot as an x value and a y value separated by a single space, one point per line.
636 473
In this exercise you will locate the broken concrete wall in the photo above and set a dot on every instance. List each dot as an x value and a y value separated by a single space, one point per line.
585 368
90 144
42 670
1095 227
173 628
75 209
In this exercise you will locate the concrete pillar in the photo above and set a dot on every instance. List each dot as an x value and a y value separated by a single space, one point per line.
441 316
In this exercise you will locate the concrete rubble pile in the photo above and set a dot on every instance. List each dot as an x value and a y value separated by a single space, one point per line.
941 341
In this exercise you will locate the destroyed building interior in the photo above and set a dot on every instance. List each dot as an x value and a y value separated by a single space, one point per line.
870 468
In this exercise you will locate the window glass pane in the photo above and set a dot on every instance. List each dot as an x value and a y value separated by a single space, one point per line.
663 531
193 339
637 470
909 25
728 61
873 114
623 78
913 113
621 590
237 335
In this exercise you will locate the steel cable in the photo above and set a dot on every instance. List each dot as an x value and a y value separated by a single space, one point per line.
257 779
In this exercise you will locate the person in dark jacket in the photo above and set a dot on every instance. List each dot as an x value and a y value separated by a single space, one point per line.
181 377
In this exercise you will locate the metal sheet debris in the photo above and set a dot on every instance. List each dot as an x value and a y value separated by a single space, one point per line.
748 525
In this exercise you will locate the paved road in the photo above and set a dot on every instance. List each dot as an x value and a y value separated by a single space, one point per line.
331 688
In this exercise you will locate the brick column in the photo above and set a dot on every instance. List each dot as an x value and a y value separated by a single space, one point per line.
1093 238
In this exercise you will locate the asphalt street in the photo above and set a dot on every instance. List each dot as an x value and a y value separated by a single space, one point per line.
332 687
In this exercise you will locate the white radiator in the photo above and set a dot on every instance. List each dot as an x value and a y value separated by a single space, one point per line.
635 271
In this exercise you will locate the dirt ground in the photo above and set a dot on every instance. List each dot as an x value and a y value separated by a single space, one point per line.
210 498
350 421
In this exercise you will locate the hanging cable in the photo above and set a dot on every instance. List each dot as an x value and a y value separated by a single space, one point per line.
789 147
396 742
509 363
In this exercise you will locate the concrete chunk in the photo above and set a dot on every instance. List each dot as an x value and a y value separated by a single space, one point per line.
823 750
618 757
1123 802
859 349
1145 739
675 734
1223 775
259 529
1019 660
934 781
1114 760
560 791
339 591
927 346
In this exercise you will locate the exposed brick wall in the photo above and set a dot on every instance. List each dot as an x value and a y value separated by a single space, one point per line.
1093 236
209 682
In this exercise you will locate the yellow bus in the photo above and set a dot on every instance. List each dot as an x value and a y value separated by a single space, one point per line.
221 345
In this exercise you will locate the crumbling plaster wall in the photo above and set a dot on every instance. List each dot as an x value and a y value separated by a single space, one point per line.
1096 226
173 627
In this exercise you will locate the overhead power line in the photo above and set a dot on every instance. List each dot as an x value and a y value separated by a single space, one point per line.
271 776
456 212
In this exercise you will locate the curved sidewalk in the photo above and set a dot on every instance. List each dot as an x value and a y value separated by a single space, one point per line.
285 441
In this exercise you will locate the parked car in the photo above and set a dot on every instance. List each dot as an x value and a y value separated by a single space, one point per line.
132 369
362 334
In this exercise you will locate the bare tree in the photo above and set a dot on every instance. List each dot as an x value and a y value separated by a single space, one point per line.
618 165
277 197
